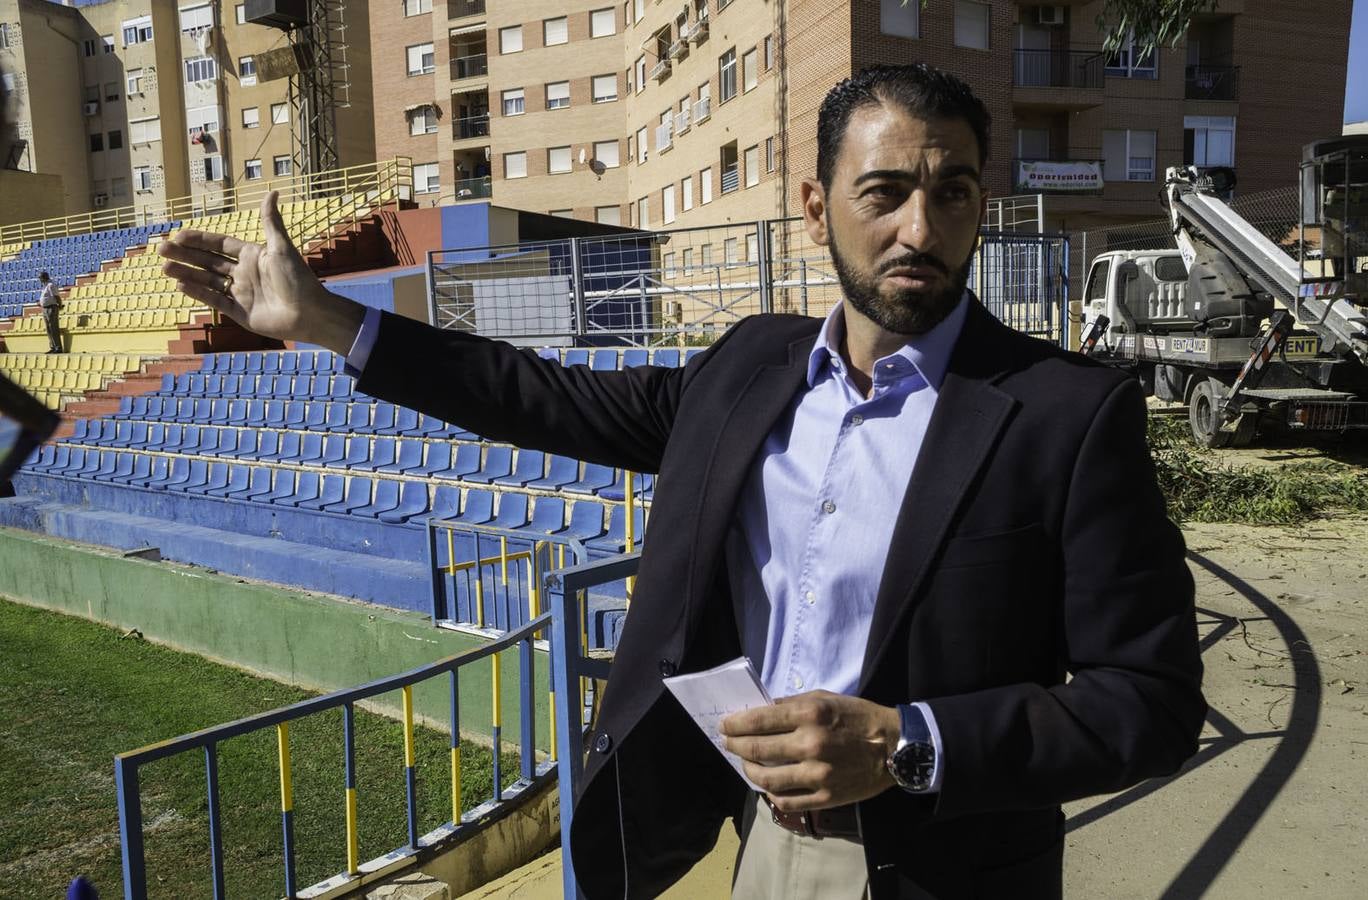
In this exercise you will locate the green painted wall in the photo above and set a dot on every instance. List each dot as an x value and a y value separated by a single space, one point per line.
315 641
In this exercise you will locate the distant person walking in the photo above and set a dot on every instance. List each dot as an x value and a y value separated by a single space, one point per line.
51 301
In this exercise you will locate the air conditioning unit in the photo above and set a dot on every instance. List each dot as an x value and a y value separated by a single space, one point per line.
90 107
101 201
1049 15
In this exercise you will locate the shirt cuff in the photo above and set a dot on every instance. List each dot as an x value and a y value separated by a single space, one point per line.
938 770
361 348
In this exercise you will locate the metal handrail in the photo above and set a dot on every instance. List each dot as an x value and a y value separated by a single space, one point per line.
127 765
458 8
472 66
1202 82
470 127
1058 68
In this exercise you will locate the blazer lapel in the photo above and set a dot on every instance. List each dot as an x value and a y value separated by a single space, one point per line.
970 413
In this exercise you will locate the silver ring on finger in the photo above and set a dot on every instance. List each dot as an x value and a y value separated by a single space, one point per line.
227 285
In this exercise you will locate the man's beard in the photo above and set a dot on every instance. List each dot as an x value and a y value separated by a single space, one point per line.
908 311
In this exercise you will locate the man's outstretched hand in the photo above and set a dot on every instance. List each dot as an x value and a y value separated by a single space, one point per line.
268 289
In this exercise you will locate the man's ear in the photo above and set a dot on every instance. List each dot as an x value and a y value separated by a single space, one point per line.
814 210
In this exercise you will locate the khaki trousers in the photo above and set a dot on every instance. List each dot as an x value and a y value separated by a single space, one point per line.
776 864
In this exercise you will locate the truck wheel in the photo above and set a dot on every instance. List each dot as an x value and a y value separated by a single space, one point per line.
1204 414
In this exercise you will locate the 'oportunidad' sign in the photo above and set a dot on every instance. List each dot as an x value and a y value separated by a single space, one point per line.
1059 176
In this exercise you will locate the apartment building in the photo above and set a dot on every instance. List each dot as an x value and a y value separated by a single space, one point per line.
136 102
713 104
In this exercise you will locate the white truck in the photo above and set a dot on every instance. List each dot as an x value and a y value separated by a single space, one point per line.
1249 333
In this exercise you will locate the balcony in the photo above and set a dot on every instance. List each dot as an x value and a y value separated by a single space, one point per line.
459 9
663 139
1058 68
681 121
470 127
695 31
1059 175
473 66
660 69
731 179
474 189
1212 83
702 109
679 49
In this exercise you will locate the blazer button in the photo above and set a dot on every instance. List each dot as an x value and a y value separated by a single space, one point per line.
602 743
667 668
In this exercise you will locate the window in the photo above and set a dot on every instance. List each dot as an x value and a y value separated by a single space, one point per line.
420 59
115 140
91 93
705 185
900 18
133 82
641 145
200 68
602 22
118 187
558 95
425 178
280 113
667 198
515 165
555 31
643 212
253 170
4 35
96 142
88 48
605 88
769 154
1127 62
240 11
686 188
1128 155
513 102
750 75
688 255
558 160
282 165
246 70
638 9
669 264
111 92
606 152
213 168
769 52
1097 281
423 121
7 82
640 69
608 215
135 31
251 116
971 24
731 252
144 131
752 166
417 7
726 68
561 213
1209 140
142 178
705 255
752 247
510 39
107 42
192 17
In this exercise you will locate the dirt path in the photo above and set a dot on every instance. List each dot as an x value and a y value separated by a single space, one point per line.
1274 803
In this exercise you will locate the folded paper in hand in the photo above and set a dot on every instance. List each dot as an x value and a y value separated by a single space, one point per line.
710 696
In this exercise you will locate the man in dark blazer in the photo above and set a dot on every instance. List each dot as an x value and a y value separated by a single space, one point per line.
940 542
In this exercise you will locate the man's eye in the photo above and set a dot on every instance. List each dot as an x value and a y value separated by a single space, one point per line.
955 193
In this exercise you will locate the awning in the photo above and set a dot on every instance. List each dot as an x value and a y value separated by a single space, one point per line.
466 29
417 106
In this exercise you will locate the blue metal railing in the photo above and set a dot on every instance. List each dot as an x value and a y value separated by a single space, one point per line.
533 773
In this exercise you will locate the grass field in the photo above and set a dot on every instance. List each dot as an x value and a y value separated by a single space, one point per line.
73 693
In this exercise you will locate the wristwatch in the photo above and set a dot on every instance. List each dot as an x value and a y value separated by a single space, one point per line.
913 763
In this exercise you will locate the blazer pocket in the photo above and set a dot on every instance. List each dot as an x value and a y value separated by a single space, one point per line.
992 547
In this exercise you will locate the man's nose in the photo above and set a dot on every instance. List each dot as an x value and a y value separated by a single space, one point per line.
916 229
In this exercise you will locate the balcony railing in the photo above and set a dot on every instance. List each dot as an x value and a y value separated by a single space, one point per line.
1212 83
470 127
702 109
475 188
660 69
1058 68
472 66
664 140
1057 175
681 121
457 9
731 179
696 30
679 49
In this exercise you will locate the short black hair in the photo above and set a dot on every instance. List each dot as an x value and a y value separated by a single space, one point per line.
43 276
922 90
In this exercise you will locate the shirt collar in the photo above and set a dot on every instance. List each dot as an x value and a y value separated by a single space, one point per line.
928 354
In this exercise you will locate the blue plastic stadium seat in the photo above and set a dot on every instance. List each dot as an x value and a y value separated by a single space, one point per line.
304 362
332 490
79 429
256 413
273 413
216 479
478 509
446 502
512 511
604 360
267 442
334 450
239 479
254 362
586 520
530 466
288 362
407 457
357 496
413 501
126 407
691 353
358 452
343 386
667 357
596 477
270 363
438 460
237 412
548 353
121 464
245 445
615 540
358 416
197 473
406 422
548 515
386 500
238 363
74 460
202 410
498 462
465 462
381 454
635 357
381 422
57 459
219 362
561 470
577 356
306 489
287 449
161 465
315 415
213 385
258 484
283 487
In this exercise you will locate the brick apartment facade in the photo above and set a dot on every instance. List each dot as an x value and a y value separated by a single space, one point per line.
726 95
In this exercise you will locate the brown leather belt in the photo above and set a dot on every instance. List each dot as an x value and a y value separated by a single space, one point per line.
839 821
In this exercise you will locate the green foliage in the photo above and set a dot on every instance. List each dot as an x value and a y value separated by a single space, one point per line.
1155 22
1201 489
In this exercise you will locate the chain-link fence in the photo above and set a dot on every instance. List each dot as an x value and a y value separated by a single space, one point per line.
687 286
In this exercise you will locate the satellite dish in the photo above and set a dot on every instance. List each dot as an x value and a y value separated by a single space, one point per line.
582 156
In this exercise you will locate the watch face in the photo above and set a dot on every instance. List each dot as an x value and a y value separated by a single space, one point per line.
912 765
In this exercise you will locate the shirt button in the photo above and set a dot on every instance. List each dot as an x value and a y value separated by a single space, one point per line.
810 597
889 366
667 668
857 419
797 681
603 743
828 507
